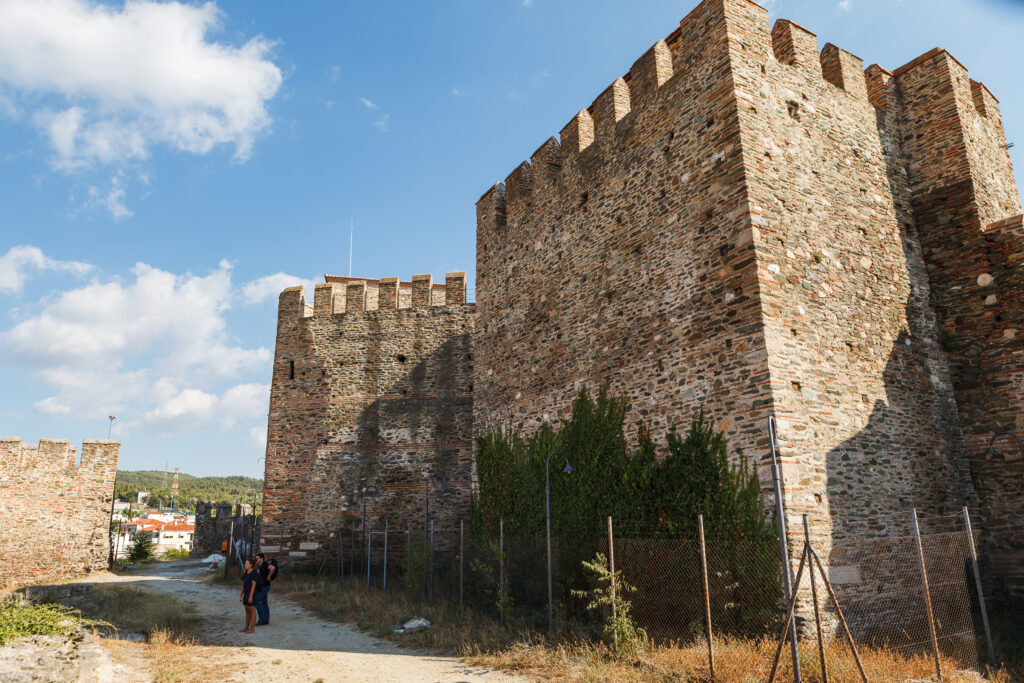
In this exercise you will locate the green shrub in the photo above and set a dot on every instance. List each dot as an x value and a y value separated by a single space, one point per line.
608 597
17 621
175 554
142 548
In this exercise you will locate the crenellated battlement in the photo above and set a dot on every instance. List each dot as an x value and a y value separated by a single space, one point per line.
54 511
787 43
56 457
343 295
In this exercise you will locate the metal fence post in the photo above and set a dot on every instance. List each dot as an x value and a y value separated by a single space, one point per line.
611 561
814 599
707 595
341 553
981 593
927 596
384 586
787 569
231 547
369 549
462 553
501 568
431 598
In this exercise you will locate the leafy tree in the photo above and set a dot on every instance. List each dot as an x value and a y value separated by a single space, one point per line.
142 549
190 488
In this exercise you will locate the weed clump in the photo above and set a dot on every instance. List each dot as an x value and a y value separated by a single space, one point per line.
18 621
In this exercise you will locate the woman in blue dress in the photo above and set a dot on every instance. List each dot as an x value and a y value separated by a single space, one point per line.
249 581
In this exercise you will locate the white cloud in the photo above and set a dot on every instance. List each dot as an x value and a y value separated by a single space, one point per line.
115 81
18 261
51 406
152 348
456 92
381 123
270 286
189 408
156 346
844 5
110 198
244 401
258 436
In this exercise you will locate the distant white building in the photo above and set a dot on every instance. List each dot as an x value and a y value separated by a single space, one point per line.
174 536
166 535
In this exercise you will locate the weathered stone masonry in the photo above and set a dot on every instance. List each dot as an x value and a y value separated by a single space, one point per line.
54 514
371 388
743 222
740 222
216 522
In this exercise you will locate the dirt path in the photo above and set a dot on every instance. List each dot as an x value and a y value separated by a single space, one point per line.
297 646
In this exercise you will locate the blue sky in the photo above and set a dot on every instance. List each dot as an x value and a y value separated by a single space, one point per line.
167 169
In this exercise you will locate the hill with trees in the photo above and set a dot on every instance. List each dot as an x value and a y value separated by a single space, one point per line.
190 488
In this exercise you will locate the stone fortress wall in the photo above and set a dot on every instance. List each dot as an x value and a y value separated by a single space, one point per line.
739 222
55 510
371 389
216 522
744 223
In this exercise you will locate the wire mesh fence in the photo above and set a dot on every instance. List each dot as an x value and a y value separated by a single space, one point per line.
908 595
915 594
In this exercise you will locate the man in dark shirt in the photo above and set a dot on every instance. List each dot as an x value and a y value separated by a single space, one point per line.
266 572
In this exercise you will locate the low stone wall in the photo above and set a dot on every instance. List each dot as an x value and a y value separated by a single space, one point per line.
215 522
54 510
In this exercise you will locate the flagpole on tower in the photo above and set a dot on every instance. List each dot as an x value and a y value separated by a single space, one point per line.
351 230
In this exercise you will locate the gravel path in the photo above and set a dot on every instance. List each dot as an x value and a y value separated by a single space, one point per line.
297 646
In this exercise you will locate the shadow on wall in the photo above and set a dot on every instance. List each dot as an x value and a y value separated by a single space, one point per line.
418 424
912 452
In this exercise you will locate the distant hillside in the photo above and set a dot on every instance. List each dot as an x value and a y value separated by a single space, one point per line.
217 489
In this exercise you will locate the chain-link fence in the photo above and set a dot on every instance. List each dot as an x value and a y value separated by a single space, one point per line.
909 595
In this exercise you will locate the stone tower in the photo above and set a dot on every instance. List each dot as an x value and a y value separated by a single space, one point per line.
371 388
743 223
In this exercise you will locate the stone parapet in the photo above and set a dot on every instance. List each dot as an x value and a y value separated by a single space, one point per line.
55 511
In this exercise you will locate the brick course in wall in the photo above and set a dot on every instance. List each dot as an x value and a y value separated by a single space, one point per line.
54 511
371 388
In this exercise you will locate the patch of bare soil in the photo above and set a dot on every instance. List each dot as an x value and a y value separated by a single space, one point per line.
296 646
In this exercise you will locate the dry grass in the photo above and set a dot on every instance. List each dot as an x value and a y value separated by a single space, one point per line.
170 625
516 648
735 660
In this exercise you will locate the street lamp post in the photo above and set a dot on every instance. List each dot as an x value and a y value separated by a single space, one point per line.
111 425
426 507
547 493
990 451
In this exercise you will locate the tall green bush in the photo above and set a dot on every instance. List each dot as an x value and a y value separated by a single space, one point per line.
647 496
